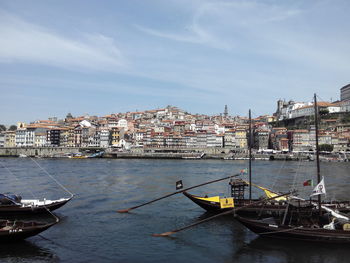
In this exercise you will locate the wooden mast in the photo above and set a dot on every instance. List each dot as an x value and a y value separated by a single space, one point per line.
250 156
317 152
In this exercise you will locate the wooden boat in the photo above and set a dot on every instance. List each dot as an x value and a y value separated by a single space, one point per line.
310 227
19 230
296 232
271 208
11 204
212 203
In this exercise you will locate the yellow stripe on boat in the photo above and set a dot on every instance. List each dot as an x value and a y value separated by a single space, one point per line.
268 193
210 199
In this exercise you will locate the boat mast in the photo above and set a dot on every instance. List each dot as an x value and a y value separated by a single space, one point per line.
317 152
250 156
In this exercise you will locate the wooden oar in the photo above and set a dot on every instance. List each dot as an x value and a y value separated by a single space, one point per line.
165 234
177 192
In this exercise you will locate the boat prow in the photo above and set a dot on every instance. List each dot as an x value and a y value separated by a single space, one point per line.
28 206
211 204
299 232
19 230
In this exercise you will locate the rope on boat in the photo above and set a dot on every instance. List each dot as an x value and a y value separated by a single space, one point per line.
279 173
30 191
63 187
281 231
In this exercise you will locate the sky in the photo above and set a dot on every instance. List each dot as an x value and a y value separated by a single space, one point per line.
100 57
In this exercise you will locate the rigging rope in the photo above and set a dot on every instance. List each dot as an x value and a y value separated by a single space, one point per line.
64 188
28 189
280 231
278 174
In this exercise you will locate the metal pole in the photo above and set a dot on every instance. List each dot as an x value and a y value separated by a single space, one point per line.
250 156
317 152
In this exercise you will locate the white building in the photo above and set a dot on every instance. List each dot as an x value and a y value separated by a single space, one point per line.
104 138
2 139
122 123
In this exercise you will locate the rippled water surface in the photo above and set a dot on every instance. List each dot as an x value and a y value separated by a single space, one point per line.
91 231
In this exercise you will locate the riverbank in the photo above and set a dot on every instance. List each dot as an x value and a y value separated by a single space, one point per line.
157 153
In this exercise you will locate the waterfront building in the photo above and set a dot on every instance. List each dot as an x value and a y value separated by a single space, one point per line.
64 137
241 137
213 140
300 140
10 139
77 136
105 138
276 135
40 139
230 138
342 145
53 137
116 135
190 139
2 139
25 137
283 144
261 139
71 137
201 139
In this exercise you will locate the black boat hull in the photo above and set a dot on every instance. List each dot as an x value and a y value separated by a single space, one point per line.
272 208
7 210
23 232
295 233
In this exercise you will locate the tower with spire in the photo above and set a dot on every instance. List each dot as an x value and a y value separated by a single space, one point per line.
225 112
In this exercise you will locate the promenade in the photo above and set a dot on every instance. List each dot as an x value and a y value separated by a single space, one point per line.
160 153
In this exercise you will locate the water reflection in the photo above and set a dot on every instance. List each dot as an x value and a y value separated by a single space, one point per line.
26 251
264 249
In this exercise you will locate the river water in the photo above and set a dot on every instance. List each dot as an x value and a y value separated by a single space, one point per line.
91 230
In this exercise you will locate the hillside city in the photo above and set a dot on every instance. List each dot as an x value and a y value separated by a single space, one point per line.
290 128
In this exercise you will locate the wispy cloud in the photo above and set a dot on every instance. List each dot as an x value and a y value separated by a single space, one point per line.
22 41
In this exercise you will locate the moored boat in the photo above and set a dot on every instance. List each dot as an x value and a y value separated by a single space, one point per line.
332 227
296 232
14 204
19 230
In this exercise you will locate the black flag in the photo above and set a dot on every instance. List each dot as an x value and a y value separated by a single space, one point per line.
179 185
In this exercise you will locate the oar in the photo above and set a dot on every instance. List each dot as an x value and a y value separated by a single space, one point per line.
177 192
165 234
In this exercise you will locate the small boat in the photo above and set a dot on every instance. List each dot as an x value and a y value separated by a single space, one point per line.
19 230
193 156
273 207
14 204
77 156
310 228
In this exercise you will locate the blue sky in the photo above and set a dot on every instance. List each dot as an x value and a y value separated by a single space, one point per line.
100 57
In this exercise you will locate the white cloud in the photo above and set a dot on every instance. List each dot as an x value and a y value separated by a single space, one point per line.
29 43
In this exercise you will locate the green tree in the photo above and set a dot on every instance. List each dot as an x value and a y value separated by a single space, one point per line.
2 127
326 147
13 128
324 111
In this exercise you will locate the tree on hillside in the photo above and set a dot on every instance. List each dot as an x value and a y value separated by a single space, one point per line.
326 147
323 111
13 128
2 128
